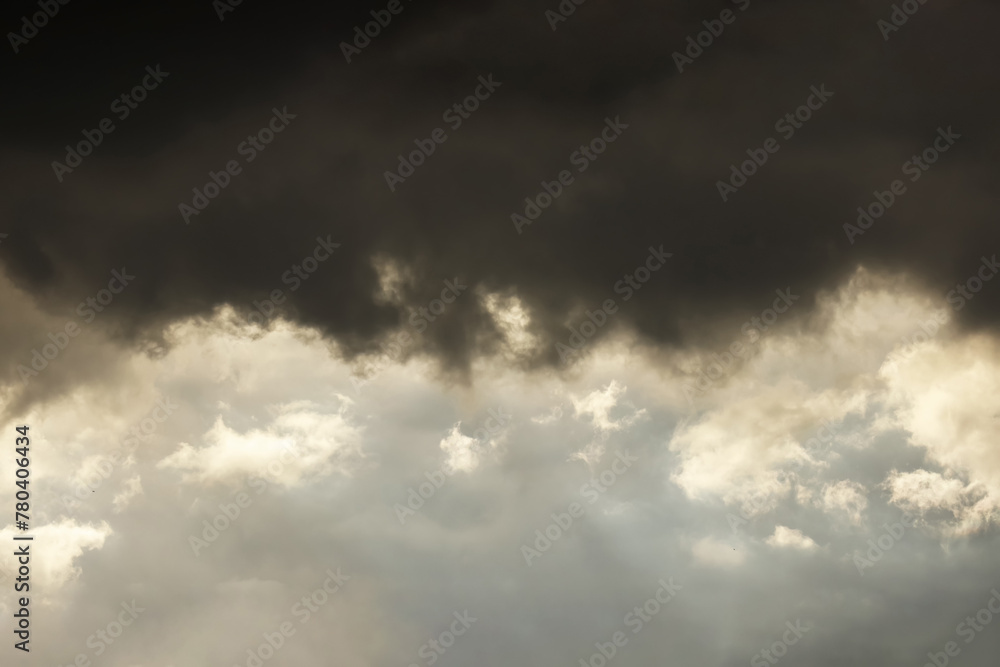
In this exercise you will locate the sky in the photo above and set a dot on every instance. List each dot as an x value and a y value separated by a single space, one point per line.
543 333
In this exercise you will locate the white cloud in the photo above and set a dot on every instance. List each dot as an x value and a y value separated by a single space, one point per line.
923 492
512 319
790 538
319 443
944 393
599 404
763 417
132 488
845 499
54 551
461 450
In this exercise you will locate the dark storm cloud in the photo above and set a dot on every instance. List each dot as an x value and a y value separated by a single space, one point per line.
656 184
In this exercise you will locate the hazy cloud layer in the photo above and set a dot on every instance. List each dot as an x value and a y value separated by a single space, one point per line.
780 536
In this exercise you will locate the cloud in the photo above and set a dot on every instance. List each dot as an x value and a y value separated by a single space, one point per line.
132 489
452 217
55 565
710 552
902 424
241 394
318 442
967 508
461 450
845 499
944 395
790 538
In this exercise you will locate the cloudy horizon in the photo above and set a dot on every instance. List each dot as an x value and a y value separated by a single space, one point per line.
575 334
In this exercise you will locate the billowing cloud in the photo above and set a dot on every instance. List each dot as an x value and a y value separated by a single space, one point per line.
790 538
481 399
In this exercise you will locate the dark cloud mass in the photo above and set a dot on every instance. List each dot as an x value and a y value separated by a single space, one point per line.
655 185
